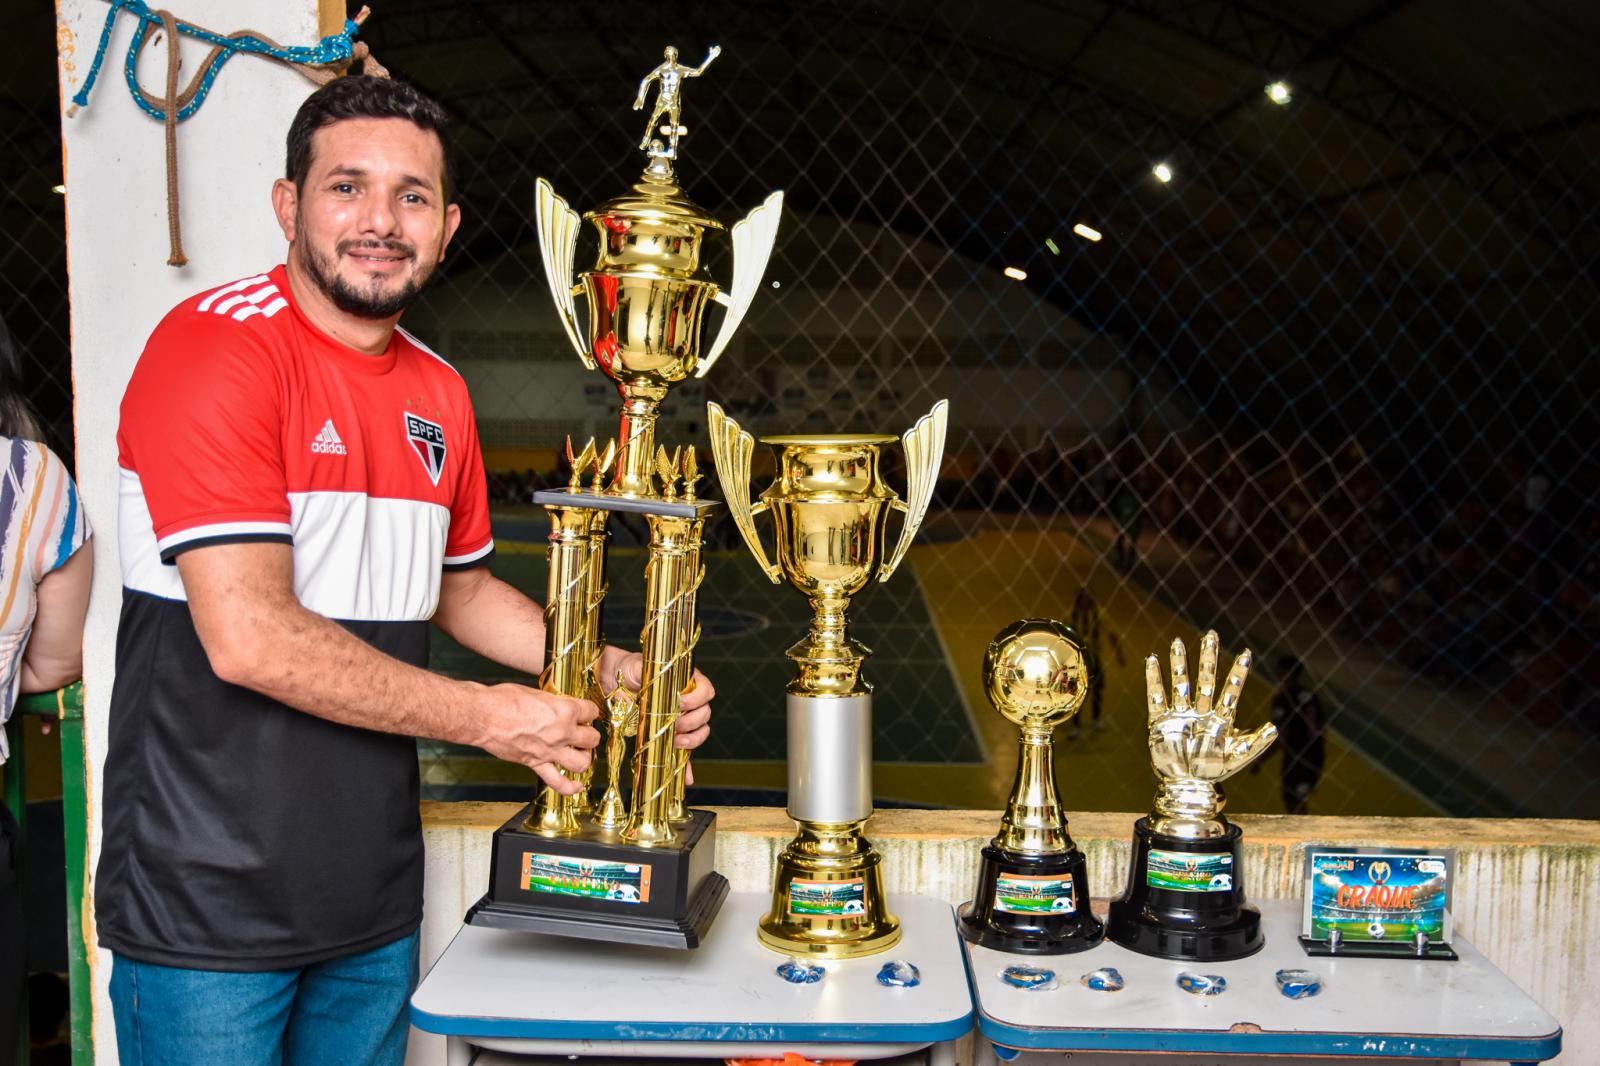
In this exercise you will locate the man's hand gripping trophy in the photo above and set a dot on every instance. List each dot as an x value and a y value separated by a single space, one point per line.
1193 745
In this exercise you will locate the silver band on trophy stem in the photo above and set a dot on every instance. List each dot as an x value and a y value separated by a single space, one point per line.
830 758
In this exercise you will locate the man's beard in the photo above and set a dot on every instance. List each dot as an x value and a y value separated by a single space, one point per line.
373 303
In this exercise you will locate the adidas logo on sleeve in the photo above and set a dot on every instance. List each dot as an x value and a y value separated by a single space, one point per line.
327 442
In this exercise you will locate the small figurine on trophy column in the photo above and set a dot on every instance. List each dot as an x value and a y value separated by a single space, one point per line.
1184 898
1033 885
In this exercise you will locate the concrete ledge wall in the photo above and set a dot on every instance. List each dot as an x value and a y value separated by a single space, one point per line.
1526 893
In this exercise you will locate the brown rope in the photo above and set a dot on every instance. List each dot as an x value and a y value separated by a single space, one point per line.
174 101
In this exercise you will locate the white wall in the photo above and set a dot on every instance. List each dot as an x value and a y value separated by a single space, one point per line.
119 283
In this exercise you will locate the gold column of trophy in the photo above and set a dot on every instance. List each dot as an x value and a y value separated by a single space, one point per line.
1033 884
829 506
643 873
1184 898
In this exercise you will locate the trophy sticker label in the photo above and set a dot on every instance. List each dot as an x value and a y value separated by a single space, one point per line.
1188 871
1035 894
827 899
1378 896
562 875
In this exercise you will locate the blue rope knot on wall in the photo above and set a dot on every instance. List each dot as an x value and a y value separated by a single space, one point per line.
330 57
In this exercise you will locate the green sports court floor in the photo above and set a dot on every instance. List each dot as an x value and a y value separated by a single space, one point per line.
936 740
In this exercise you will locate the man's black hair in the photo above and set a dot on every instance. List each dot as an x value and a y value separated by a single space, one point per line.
361 96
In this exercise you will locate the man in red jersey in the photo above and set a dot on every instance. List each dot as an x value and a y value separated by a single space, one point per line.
302 494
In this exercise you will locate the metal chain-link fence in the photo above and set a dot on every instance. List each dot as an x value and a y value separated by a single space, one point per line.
1274 319
33 240
1306 362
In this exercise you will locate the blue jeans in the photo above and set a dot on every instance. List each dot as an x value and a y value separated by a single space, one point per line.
350 1010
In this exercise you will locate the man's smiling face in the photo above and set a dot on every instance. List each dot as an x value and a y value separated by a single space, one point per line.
370 221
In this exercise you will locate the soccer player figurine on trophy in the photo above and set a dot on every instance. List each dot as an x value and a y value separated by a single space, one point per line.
641 873
1033 886
1184 898
829 507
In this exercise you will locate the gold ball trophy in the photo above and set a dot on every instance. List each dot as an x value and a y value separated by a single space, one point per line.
829 506
610 871
1033 884
1185 898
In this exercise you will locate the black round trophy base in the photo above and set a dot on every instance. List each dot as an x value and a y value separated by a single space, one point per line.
1209 925
986 920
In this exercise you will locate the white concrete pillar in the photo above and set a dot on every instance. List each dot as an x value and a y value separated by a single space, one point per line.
114 160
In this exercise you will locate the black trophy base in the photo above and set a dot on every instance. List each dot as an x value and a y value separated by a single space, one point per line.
1208 923
596 887
1032 916
1437 950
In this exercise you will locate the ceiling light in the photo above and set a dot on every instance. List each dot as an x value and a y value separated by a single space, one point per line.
1055 249
59 190
1278 92
1016 273
1162 172
1088 233
775 284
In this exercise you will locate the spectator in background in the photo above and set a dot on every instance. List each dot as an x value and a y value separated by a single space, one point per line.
1298 714
44 594
1085 621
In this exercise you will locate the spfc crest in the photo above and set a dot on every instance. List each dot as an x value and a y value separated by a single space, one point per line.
428 439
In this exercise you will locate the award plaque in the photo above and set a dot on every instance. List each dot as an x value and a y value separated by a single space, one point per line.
1378 902
829 506
1033 886
610 871
1185 894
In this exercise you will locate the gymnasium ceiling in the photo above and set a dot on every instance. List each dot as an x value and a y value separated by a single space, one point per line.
1426 198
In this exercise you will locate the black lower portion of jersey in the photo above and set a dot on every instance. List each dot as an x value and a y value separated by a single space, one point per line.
239 833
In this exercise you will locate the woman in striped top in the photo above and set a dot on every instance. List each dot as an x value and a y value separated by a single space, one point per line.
44 595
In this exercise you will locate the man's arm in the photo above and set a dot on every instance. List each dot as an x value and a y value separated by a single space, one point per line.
258 635
498 622
54 655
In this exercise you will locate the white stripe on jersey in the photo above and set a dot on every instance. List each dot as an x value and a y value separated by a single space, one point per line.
142 568
220 529
265 312
457 560
361 558
356 558
205 304
255 297
408 336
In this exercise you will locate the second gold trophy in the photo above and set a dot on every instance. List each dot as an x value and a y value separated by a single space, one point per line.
830 507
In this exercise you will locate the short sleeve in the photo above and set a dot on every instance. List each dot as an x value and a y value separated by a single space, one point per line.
201 435
470 543
62 526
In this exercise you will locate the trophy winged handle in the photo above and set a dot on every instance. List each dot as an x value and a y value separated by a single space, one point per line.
924 447
730 454
558 241
752 247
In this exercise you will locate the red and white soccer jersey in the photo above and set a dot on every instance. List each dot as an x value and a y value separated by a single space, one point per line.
242 834
244 422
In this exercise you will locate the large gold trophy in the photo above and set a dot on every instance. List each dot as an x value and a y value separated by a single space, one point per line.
830 507
1185 894
640 873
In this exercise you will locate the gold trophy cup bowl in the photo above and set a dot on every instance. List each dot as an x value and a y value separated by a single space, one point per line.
830 508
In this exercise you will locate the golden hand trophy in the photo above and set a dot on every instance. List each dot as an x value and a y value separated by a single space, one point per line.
1033 884
829 506
640 873
1184 898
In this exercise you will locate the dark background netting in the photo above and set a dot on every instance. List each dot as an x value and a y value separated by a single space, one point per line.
1331 389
